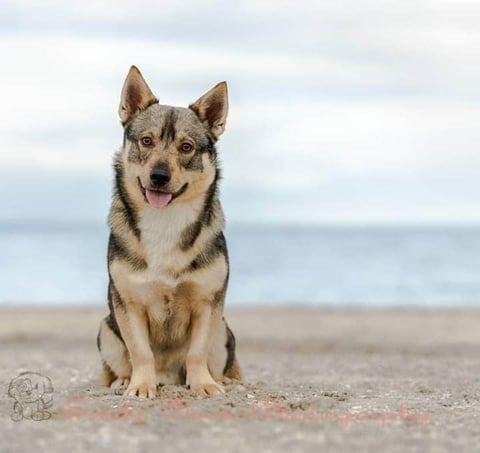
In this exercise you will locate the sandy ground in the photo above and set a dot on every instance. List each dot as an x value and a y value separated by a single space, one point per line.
316 380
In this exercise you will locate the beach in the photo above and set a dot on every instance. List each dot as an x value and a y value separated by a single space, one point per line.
316 379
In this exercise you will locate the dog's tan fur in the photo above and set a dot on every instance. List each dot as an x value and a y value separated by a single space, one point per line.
168 266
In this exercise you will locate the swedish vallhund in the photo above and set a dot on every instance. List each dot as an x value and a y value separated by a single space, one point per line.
167 257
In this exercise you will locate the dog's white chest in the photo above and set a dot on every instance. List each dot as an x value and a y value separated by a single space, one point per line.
161 234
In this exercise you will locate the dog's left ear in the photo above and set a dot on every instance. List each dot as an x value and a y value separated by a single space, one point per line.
212 108
136 95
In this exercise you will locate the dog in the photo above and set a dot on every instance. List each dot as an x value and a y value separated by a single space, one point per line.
167 256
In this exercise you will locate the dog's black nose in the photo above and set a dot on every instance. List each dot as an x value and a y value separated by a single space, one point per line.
160 175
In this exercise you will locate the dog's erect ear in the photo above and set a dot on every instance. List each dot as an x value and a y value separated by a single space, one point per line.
136 95
212 108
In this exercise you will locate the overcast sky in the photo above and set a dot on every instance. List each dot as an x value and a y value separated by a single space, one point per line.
340 111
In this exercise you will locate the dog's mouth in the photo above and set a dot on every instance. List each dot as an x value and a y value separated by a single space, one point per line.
160 198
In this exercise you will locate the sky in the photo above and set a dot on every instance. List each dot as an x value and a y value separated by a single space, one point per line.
345 112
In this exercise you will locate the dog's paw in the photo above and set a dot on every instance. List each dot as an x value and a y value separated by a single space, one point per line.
119 383
142 390
207 389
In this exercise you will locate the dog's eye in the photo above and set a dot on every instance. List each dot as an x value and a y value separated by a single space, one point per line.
186 147
146 141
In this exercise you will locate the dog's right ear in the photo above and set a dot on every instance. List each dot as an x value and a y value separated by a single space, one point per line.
136 95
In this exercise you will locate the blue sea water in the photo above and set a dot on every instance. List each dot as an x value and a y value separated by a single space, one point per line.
431 266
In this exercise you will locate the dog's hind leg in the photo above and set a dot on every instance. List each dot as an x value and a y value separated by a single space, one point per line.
234 372
107 376
116 364
222 360
232 368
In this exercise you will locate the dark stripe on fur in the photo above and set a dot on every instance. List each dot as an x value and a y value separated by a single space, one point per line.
167 134
217 246
128 210
118 248
191 232
99 343
114 300
230 346
112 324
210 148
190 235
219 296
211 200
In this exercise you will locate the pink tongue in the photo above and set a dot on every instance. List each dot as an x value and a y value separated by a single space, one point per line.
158 199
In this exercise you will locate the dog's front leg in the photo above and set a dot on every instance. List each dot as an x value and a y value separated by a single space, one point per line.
133 324
199 378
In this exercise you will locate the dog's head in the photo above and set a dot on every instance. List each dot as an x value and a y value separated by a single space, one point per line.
169 152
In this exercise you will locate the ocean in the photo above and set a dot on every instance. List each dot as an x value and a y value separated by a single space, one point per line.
348 266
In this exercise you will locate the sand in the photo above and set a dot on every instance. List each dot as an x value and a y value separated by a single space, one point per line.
315 380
